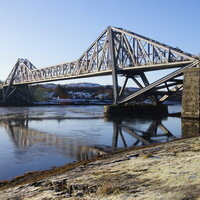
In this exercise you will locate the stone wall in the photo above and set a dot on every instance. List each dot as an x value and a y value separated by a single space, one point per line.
190 127
191 93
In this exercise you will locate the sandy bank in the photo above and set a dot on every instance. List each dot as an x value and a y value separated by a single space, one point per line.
166 171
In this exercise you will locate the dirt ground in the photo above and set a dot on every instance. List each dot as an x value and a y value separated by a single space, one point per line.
169 171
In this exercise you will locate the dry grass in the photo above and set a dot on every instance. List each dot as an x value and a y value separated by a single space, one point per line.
149 155
195 147
108 189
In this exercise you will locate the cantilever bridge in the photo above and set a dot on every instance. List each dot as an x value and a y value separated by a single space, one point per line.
116 52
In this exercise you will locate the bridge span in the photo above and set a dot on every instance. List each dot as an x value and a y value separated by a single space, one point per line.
116 52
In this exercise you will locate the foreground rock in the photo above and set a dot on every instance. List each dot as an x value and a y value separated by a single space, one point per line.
166 171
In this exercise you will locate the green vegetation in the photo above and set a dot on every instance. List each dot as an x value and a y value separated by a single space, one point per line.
44 93
1 95
60 92
38 92
1 91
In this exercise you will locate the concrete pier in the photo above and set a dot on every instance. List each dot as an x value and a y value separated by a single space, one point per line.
136 110
191 94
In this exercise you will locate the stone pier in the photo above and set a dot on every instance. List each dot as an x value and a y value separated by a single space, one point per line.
191 94
136 110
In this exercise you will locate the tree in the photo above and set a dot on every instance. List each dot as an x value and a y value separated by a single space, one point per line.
60 92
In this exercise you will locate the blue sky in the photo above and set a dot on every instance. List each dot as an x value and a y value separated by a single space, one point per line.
49 32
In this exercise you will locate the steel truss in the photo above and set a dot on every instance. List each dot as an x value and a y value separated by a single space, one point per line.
115 52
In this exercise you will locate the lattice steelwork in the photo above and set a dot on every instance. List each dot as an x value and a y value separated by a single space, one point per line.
116 51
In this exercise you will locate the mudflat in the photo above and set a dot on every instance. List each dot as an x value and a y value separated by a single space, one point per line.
163 171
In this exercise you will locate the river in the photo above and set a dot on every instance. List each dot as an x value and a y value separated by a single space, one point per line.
40 137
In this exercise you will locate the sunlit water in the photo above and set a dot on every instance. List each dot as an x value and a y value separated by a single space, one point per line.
37 138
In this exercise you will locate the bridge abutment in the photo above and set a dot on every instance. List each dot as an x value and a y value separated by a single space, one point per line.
191 94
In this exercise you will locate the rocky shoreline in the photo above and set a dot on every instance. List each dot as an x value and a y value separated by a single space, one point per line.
163 171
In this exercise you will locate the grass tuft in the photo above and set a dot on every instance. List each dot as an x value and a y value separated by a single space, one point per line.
108 189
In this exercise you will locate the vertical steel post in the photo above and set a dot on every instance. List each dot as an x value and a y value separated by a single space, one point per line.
113 66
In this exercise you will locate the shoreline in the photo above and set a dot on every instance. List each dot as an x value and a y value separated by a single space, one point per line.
117 175
77 102
32 176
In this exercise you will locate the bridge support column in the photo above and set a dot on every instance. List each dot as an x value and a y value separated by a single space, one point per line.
114 67
191 93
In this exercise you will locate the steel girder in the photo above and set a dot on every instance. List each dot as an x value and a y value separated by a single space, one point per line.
165 80
116 51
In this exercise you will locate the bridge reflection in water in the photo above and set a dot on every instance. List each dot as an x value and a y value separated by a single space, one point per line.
156 132
22 136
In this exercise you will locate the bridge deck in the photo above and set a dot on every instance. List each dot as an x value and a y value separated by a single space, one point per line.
121 70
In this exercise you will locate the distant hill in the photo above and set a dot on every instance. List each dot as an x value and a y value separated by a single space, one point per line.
88 85
71 85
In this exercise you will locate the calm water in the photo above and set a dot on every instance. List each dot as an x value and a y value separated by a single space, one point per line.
37 138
